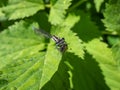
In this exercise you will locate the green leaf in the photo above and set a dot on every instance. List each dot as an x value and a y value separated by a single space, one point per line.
2 15
85 28
112 16
103 55
23 65
98 4
19 33
70 20
22 9
83 72
2 3
74 43
51 63
59 81
100 52
18 1
112 40
58 11
116 52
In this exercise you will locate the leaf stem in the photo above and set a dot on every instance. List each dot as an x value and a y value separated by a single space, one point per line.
47 5
76 5
109 33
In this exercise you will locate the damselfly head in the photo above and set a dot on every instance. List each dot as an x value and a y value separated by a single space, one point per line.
60 43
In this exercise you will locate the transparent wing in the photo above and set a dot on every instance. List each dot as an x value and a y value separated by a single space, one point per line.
42 32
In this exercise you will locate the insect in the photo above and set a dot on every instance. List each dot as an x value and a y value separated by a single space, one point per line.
60 42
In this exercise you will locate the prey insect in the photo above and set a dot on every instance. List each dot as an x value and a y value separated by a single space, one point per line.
60 42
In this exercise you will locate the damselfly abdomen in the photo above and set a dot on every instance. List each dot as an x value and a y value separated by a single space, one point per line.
60 42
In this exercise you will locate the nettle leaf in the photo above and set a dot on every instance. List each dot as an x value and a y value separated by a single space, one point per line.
22 9
60 80
116 52
100 51
70 20
74 43
23 65
51 63
112 40
2 15
17 1
17 35
107 63
98 4
85 28
112 16
58 11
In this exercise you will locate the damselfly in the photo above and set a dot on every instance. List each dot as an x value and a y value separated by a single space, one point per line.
60 42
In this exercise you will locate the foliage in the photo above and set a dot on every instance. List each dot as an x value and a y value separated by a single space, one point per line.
112 16
32 62
98 4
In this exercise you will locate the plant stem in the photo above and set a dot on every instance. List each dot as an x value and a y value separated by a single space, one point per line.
109 33
76 5
47 5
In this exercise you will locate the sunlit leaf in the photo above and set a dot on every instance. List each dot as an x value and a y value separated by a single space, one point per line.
58 11
116 52
22 64
98 4
112 16
74 42
2 15
22 9
51 63
103 55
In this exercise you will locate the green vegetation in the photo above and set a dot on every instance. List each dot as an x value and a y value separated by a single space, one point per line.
29 61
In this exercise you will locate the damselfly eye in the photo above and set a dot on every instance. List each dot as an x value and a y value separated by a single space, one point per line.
63 48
